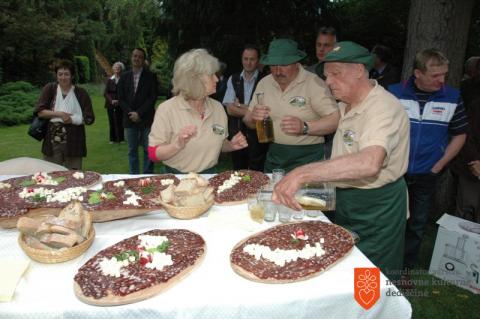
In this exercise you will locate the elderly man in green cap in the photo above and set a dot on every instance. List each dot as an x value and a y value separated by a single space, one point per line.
298 102
369 159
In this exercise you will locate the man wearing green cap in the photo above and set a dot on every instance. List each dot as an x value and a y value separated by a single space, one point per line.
300 105
370 156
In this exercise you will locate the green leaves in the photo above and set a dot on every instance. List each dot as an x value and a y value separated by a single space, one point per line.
28 182
246 178
160 248
148 189
96 197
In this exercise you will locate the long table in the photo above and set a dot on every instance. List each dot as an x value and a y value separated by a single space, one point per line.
213 290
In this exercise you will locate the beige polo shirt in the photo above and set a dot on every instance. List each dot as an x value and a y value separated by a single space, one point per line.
379 120
307 98
202 151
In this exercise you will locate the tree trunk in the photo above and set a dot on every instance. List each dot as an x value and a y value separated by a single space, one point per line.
440 24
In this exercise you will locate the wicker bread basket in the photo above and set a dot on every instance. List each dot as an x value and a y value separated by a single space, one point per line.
59 255
183 212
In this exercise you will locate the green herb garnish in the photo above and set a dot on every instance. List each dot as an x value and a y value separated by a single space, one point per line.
28 182
147 189
160 248
59 179
38 198
96 197
126 255
246 178
294 240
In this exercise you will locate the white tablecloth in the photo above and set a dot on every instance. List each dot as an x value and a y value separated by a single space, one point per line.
212 290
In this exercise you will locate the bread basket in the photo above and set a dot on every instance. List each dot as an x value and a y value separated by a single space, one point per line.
58 255
185 212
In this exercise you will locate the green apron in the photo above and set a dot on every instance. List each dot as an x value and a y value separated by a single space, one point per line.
289 157
378 216
167 169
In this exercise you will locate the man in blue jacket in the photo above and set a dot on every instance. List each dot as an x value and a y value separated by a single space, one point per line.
438 126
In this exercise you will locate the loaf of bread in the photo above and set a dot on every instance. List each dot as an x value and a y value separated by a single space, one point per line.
48 232
192 191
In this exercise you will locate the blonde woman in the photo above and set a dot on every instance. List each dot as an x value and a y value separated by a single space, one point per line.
190 130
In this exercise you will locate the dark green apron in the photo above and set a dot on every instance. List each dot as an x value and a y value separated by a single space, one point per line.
167 169
289 157
378 216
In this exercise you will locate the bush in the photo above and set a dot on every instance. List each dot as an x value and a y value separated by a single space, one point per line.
82 68
17 100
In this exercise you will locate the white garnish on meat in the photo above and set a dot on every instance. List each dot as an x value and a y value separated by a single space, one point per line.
119 184
282 256
149 241
132 198
5 185
43 178
234 179
78 175
159 260
166 182
112 267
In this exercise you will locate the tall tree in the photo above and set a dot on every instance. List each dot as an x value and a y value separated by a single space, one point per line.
441 24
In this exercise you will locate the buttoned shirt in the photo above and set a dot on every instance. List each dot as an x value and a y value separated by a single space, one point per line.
248 86
379 120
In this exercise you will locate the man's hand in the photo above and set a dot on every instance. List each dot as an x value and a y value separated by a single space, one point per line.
285 189
260 112
134 117
437 167
184 136
475 167
291 125
238 142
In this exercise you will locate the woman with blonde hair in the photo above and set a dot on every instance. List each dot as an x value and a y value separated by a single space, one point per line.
190 130
114 111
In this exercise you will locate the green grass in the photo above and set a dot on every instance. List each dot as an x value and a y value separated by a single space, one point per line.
443 301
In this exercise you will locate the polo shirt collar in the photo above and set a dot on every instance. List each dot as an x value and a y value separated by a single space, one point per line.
364 104
254 77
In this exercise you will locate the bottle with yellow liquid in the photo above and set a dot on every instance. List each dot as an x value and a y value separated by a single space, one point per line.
265 126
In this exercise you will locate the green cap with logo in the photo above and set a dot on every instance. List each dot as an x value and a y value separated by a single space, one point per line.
282 52
348 52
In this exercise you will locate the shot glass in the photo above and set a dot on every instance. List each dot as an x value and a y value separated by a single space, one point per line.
277 175
284 213
255 208
298 215
270 211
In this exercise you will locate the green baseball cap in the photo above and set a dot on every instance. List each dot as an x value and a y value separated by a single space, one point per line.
282 52
348 52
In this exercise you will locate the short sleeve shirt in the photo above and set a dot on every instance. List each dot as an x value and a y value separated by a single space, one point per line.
379 120
307 98
203 150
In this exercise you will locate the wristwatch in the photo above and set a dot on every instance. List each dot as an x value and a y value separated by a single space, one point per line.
305 128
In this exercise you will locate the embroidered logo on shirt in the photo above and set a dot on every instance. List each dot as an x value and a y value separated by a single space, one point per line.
349 137
218 129
298 101
438 110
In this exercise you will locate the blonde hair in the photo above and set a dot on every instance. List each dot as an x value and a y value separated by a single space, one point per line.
429 57
188 70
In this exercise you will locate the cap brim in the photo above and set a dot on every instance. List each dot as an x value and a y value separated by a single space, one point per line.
282 60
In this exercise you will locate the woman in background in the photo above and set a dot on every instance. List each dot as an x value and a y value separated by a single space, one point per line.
190 130
114 111
69 108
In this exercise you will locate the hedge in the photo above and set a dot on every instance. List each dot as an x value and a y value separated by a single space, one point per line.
17 100
82 68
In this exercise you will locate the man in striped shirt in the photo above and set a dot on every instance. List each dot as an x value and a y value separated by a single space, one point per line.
438 125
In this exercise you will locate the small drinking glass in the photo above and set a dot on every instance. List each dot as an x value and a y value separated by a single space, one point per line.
277 175
284 213
270 211
255 208
298 215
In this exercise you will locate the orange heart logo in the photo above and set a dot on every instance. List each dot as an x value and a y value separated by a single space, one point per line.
367 286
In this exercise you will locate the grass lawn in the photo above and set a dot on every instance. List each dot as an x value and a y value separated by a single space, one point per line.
439 300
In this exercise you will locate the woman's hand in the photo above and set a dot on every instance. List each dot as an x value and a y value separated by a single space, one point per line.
66 117
184 136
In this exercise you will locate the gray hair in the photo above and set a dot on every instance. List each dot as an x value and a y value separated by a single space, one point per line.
120 64
188 70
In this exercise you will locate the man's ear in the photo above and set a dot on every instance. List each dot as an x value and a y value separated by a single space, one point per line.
417 73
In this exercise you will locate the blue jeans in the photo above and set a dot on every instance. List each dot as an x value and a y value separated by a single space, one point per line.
135 137
421 188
